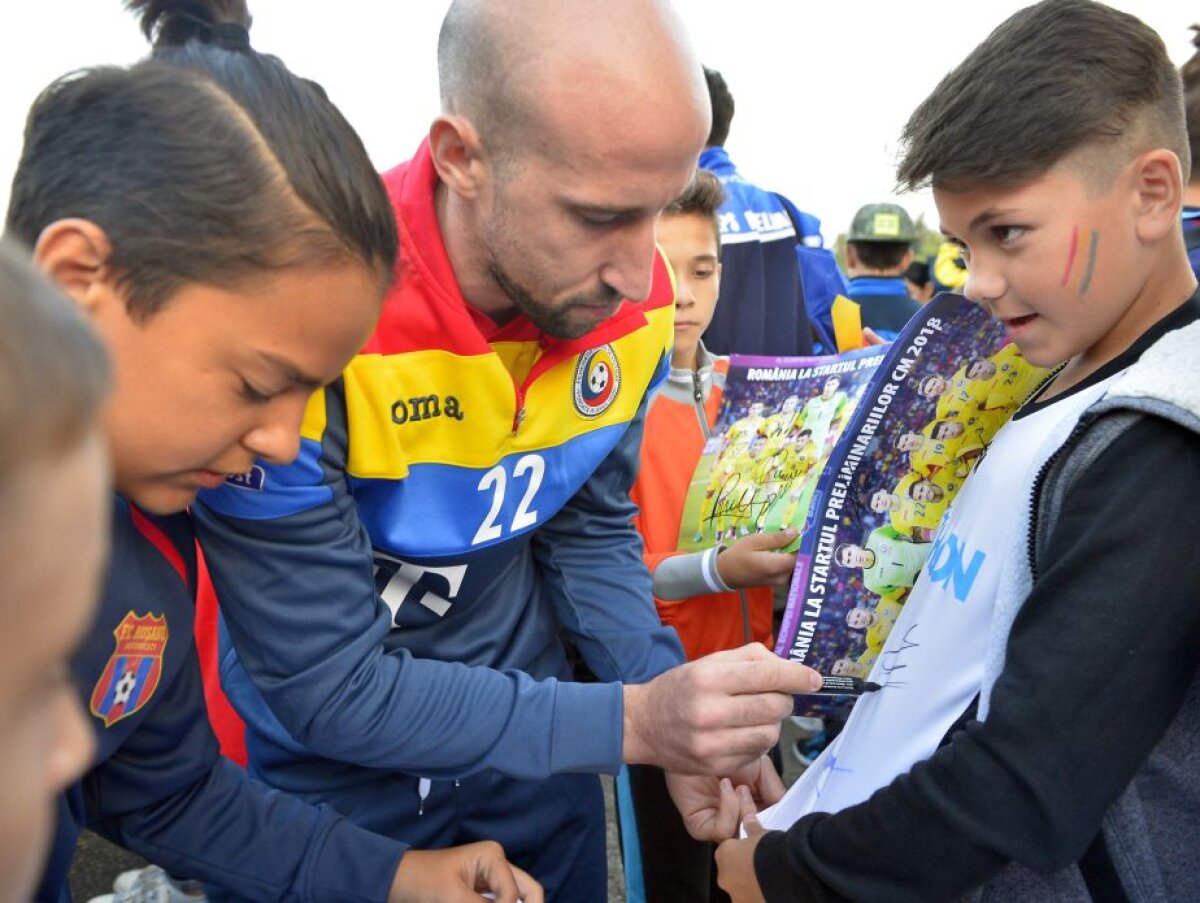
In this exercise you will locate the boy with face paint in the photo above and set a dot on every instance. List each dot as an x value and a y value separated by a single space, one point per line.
997 767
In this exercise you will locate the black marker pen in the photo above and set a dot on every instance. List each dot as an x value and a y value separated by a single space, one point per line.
845 686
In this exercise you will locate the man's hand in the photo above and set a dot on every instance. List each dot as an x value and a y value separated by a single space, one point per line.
754 561
715 715
711 807
461 875
735 859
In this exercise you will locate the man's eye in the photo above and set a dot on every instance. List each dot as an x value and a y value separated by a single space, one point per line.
598 220
254 395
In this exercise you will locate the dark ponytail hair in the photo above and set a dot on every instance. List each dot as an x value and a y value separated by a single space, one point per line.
167 23
208 162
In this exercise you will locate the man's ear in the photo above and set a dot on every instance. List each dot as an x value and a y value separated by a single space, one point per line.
851 256
1158 183
458 155
74 253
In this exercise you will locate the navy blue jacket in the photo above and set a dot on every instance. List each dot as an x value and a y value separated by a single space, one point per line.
761 308
885 303
159 786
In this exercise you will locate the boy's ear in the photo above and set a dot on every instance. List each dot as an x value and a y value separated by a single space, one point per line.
458 155
74 253
1158 181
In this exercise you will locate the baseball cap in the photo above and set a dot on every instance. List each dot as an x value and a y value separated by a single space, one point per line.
882 222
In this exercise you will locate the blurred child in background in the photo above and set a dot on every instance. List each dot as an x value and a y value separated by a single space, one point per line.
54 482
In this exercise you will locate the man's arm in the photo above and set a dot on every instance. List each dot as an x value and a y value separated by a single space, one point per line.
293 572
1110 632
292 567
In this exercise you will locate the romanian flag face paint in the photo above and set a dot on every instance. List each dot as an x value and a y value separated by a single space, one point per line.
1080 267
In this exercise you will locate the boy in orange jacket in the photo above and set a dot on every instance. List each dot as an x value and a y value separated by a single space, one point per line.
718 598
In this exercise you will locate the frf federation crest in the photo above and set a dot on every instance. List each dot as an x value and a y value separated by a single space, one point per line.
133 671
597 381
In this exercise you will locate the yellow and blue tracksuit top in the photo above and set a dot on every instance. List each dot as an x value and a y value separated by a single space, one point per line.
394 597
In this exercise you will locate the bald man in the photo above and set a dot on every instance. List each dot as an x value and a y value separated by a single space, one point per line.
395 599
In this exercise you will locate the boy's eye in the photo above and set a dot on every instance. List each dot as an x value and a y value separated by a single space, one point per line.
703 272
1008 234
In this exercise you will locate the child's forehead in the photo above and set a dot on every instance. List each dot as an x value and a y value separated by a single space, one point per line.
696 228
967 208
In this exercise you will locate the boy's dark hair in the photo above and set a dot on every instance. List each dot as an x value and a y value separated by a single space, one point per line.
881 255
54 372
703 196
1191 101
722 107
208 162
1052 79
918 273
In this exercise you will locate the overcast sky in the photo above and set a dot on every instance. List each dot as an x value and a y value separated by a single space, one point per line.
822 89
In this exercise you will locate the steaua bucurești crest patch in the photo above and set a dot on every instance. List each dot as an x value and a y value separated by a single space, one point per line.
133 671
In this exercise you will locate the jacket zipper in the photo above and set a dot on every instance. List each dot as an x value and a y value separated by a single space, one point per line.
1035 495
519 413
698 398
1036 491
